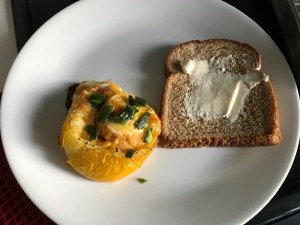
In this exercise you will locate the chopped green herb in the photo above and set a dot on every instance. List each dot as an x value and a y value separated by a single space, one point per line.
97 99
137 101
142 180
125 115
141 101
104 113
148 136
142 122
131 100
130 153
92 131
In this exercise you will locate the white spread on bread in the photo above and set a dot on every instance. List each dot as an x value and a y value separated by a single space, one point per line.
215 92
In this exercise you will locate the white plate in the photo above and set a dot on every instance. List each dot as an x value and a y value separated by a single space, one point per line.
126 41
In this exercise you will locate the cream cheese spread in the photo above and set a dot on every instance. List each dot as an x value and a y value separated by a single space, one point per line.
216 93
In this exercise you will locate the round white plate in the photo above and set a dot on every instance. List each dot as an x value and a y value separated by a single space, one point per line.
126 41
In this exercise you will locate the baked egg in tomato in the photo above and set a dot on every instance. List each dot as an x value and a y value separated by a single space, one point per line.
108 133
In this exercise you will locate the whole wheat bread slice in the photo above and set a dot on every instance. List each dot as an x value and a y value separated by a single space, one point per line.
245 56
256 125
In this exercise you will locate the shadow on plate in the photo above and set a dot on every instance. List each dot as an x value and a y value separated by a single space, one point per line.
47 122
152 65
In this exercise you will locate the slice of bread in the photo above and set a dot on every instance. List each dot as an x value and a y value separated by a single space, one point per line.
245 56
257 124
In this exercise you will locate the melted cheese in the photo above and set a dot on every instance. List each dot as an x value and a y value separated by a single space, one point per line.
124 136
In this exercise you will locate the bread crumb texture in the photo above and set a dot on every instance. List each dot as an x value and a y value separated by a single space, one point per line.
257 124
246 56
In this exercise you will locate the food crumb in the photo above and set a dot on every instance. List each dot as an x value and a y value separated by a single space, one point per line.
142 180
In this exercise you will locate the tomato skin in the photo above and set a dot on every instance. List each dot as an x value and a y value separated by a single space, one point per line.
101 159
100 166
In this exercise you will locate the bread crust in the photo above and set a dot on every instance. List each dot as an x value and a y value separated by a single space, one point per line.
237 141
257 125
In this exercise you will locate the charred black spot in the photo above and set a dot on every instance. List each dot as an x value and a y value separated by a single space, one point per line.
71 91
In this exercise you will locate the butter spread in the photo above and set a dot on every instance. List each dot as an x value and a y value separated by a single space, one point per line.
215 92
